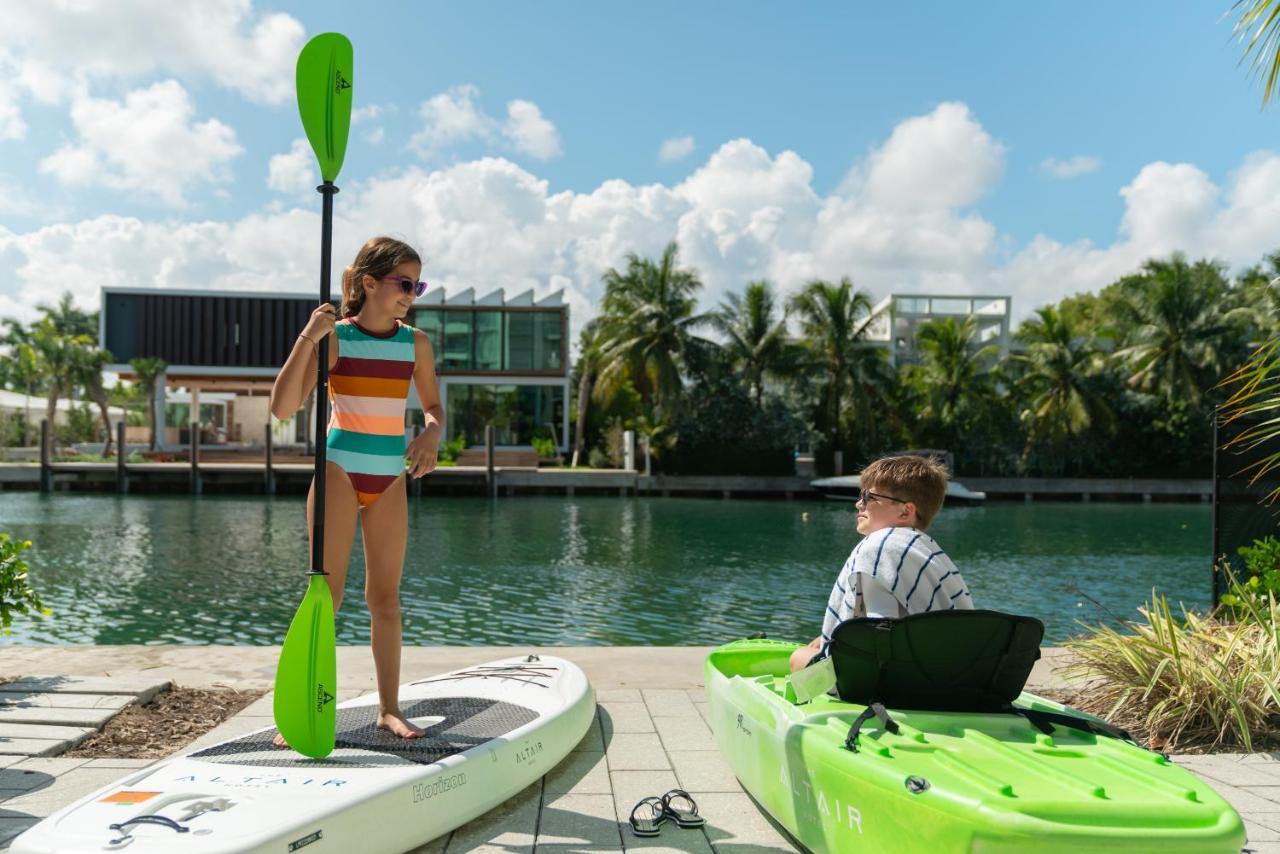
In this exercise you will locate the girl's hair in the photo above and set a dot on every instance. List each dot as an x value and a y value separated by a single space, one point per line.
378 257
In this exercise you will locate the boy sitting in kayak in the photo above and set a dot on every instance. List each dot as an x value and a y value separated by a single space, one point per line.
896 569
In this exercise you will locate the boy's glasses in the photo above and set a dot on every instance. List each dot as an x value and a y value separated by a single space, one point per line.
407 285
875 496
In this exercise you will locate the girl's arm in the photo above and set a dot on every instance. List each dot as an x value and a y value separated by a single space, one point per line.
298 376
422 450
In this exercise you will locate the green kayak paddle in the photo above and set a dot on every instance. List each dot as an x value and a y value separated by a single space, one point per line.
307 675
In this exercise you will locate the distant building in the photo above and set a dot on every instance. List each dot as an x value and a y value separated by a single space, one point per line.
896 320
499 361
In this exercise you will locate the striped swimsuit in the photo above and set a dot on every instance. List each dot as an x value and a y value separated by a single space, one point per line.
369 386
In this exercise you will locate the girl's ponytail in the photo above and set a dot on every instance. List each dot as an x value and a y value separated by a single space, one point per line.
377 258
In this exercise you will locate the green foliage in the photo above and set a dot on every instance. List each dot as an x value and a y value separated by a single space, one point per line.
16 595
1261 579
545 447
81 426
1191 682
450 449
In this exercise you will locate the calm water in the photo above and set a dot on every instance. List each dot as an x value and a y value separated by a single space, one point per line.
178 569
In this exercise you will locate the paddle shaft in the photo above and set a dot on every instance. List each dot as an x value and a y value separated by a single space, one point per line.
327 191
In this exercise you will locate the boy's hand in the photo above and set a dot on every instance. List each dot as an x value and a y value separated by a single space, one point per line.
421 454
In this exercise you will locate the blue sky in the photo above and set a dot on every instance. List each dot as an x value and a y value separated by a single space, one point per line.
917 142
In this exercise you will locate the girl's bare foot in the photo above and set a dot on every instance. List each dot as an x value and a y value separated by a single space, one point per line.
279 742
395 723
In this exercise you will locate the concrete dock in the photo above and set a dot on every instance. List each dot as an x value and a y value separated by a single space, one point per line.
650 736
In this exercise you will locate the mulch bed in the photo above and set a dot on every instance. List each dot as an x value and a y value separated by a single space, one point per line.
171 721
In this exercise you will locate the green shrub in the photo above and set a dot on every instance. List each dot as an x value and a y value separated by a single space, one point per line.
1195 682
16 595
1261 578
449 450
546 448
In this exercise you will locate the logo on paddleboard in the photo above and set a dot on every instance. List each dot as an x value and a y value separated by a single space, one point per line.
323 697
742 726
305 841
340 83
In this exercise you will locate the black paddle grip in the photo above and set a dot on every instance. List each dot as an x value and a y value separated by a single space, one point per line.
327 191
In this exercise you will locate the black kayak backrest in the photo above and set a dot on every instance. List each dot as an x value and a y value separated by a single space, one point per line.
957 661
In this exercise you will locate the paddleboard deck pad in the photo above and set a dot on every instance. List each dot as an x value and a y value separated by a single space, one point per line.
490 731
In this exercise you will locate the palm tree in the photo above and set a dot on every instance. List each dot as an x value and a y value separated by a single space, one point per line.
833 323
952 371
149 371
1177 328
70 320
588 367
57 356
756 336
1056 368
1259 27
648 324
87 372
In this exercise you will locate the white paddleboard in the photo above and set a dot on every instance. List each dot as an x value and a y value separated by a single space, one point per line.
491 731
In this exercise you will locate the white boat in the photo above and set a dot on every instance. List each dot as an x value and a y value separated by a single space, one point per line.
491 731
847 488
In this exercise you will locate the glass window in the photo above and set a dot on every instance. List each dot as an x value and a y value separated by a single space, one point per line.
431 321
951 306
547 335
518 346
913 305
457 339
488 341
995 306
518 413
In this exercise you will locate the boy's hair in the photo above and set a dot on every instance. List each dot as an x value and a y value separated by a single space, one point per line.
920 480
378 257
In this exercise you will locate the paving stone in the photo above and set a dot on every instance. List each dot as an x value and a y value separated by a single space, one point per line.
34 746
735 822
1266 819
68 787
1243 800
673 840
11 824
61 717
579 820
509 827
684 734
636 751
18 700
54 767
62 733
1267 793
24 781
1231 770
143 688
113 762
5 794
619 695
580 774
625 717
1259 833
435 846
703 771
6 761
229 729
630 786
1263 847
668 703
593 741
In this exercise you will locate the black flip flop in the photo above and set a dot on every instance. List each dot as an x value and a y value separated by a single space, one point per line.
682 816
652 825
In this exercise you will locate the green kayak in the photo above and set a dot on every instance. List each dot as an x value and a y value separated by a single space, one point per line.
948 781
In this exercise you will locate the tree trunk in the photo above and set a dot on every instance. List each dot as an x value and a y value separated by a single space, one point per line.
99 395
51 407
151 414
584 395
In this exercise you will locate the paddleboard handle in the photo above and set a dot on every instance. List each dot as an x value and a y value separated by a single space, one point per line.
327 190
161 820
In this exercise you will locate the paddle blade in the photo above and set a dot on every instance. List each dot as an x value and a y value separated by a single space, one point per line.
324 98
307 675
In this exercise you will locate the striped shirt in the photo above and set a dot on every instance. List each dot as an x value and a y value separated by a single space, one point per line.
369 385
908 564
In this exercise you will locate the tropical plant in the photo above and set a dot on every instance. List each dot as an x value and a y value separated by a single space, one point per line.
149 371
1261 577
588 367
1259 30
68 319
953 371
833 319
1055 369
648 325
58 356
755 333
87 372
1190 682
16 594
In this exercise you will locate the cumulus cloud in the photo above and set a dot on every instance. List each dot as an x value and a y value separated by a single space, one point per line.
1072 167
455 117
745 213
148 144
530 132
676 148
368 120
294 171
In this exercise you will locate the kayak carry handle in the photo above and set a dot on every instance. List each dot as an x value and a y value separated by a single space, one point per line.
151 819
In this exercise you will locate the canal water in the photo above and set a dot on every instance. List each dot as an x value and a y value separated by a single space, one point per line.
562 571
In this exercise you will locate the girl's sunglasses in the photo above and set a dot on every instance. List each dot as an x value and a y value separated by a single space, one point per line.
407 285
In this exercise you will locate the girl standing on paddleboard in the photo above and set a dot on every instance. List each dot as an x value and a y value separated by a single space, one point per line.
373 356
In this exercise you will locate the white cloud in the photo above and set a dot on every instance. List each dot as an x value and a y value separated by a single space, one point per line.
745 213
147 144
676 148
455 117
294 171
1073 167
368 118
530 132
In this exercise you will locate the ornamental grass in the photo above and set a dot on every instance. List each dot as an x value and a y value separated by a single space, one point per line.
1190 684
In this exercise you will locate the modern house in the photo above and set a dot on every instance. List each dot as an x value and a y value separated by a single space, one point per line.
896 320
499 361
